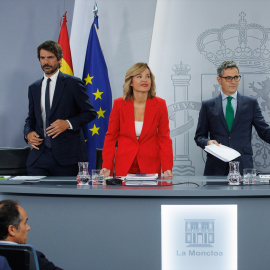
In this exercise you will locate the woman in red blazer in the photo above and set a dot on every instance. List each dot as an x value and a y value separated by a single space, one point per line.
139 122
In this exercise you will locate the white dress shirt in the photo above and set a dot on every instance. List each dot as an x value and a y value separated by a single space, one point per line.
42 100
43 91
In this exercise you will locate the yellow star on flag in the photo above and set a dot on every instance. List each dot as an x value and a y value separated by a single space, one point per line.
94 130
101 113
88 79
98 94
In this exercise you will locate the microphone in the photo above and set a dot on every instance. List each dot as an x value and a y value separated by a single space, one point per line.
116 145
115 180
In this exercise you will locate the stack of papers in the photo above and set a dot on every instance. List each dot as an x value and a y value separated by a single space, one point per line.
4 177
141 180
140 183
222 152
141 177
26 178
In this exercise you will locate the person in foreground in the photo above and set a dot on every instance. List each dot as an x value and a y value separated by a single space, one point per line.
139 122
4 264
58 109
228 119
14 230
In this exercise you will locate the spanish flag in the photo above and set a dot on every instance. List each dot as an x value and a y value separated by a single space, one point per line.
63 41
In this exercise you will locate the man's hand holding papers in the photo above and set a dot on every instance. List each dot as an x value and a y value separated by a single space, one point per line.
222 152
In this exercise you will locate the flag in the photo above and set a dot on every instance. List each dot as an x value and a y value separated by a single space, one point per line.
95 76
79 34
63 41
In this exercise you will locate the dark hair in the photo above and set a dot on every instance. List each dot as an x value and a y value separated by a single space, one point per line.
9 215
51 46
224 65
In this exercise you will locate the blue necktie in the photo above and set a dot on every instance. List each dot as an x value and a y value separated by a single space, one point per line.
229 113
47 109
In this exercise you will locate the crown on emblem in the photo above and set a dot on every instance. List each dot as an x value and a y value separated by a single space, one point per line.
246 44
181 69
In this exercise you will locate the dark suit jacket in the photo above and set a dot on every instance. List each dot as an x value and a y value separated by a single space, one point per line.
154 147
212 123
44 263
4 264
70 102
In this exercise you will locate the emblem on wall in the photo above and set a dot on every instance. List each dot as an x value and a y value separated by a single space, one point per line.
248 44
181 121
199 232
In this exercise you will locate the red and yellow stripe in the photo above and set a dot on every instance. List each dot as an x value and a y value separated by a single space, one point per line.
63 41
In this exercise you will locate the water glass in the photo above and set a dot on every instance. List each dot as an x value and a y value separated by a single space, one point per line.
97 177
83 177
234 175
249 176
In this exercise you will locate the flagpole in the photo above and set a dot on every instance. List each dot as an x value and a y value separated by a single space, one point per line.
95 9
95 75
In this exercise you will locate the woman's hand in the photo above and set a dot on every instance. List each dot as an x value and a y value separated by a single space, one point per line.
105 172
168 173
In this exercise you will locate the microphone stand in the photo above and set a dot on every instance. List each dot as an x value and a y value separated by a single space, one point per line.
115 180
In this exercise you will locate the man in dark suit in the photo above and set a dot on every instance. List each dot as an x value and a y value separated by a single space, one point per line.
4 264
228 119
58 109
14 230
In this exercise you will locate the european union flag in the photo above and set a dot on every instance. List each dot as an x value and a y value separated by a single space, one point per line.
95 75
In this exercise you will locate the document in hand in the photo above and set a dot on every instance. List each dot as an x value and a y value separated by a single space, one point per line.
222 152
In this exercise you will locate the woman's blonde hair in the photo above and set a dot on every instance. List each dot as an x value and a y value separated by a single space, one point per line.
133 71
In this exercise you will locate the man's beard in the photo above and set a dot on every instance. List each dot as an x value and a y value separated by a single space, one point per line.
53 69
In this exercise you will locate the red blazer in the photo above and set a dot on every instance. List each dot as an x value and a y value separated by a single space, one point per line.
154 147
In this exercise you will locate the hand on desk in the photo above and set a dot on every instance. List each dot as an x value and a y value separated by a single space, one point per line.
33 139
105 172
168 173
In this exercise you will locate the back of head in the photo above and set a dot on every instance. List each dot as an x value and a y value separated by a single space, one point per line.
9 215
51 46
224 65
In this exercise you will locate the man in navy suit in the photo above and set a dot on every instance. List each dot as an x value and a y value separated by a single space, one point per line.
58 109
4 264
14 230
228 119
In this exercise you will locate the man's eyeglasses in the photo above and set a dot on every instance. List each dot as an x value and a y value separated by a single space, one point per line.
229 78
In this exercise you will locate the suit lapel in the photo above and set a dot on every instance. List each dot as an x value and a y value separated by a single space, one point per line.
149 115
37 98
59 87
128 115
219 108
240 104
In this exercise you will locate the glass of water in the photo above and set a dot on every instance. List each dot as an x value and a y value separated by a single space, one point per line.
234 175
83 177
249 176
97 177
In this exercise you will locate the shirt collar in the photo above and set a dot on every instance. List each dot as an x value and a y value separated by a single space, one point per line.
53 77
8 242
225 96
